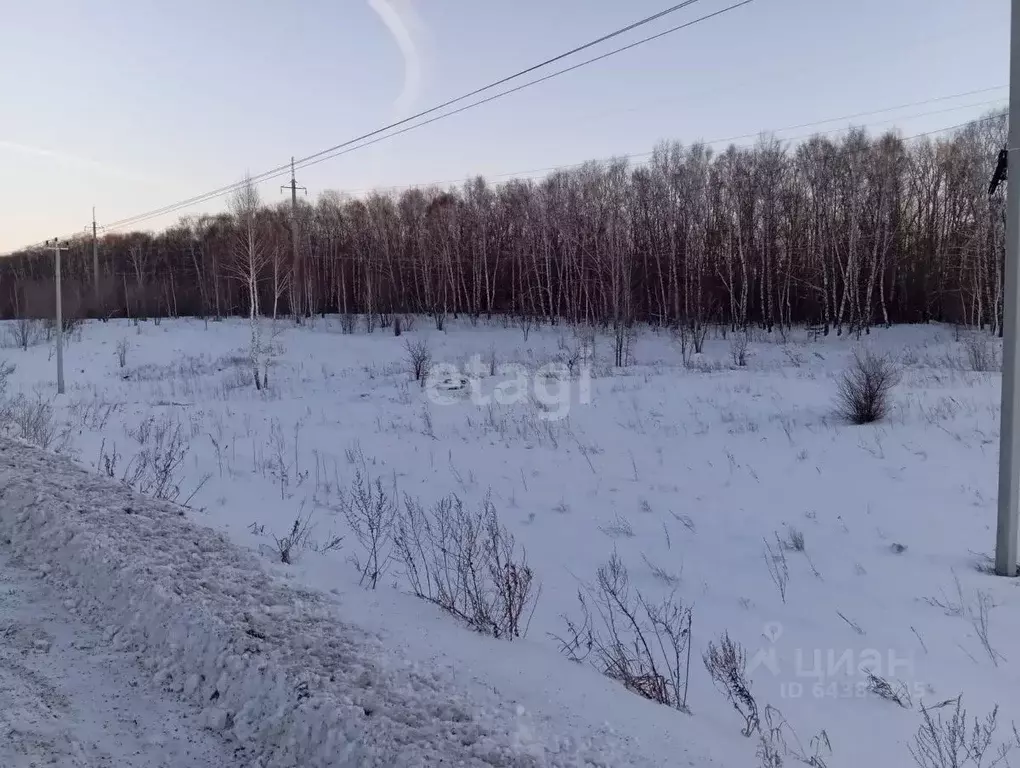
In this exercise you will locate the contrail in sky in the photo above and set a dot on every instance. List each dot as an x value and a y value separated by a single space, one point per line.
66 159
396 16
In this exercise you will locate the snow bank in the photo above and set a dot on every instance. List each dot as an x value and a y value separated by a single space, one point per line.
270 666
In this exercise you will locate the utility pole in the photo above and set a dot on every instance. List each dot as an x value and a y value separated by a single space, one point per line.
95 263
1009 432
57 248
299 267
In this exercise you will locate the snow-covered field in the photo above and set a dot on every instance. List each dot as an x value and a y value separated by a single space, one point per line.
702 479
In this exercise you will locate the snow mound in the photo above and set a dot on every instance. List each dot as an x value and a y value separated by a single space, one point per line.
271 667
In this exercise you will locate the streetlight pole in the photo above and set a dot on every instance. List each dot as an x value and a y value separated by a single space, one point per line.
1009 433
57 248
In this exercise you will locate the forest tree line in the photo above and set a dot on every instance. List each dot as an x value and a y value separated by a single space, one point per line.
842 233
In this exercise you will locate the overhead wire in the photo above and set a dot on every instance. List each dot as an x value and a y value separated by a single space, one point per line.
709 142
632 156
336 149
387 132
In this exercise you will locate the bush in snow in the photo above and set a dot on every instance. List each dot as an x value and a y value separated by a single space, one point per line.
779 570
155 469
726 663
418 357
468 564
643 645
952 743
297 539
896 692
36 423
348 323
69 323
25 332
777 741
371 513
862 395
981 355
794 540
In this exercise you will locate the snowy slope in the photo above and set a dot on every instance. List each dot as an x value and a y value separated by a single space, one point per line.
685 472
271 667
68 701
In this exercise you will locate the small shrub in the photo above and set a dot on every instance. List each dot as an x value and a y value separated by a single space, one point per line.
863 392
68 324
25 332
619 528
37 424
108 460
682 337
371 513
663 575
897 692
794 540
298 539
643 645
155 469
777 740
726 664
779 570
953 743
468 564
92 413
981 355
979 619
122 352
419 358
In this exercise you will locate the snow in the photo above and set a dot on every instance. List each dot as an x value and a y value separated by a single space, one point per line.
68 701
689 470
271 665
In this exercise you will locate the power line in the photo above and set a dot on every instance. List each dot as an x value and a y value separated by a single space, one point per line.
310 161
744 86
331 153
273 173
280 170
632 156
523 174
637 155
349 146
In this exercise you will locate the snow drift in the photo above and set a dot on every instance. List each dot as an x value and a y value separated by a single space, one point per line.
270 667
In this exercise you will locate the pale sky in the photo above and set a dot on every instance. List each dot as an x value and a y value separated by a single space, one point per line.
130 106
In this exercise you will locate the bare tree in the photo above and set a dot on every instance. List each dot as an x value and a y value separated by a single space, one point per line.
838 233
250 259
419 357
